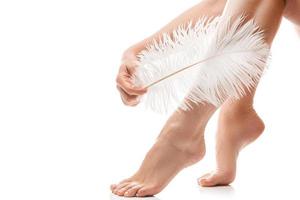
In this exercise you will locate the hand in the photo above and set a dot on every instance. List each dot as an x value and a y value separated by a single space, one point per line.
130 93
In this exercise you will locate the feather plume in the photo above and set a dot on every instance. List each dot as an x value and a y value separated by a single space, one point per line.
205 62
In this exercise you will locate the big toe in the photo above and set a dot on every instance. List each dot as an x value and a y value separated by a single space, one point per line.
147 191
207 180
215 179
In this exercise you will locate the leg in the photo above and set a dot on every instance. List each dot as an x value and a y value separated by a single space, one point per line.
181 142
239 124
292 13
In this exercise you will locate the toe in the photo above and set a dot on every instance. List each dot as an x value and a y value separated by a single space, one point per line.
120 186
122 191
132 191
147 191
207 180
204 176
216 178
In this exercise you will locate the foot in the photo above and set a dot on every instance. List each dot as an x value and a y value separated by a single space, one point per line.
236 129
179 145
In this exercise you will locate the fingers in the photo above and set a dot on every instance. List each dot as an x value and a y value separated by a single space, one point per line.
129 100
129 65
124 80
130 93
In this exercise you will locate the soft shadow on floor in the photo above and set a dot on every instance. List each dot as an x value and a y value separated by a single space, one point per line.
220 191
116 197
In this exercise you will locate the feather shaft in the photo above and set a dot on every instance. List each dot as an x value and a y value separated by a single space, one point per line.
189 66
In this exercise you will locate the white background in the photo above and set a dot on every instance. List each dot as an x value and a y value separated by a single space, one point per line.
64 133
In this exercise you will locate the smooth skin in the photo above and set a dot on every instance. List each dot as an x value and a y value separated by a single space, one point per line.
181 141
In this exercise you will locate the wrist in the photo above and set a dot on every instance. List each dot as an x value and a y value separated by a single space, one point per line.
133 50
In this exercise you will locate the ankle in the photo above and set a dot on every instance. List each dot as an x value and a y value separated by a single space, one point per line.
243 118
235 109
194 150
182 138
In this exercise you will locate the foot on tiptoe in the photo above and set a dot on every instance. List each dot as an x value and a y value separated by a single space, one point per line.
236 129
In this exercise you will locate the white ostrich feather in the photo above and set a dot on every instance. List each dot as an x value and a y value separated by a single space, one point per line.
207 62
